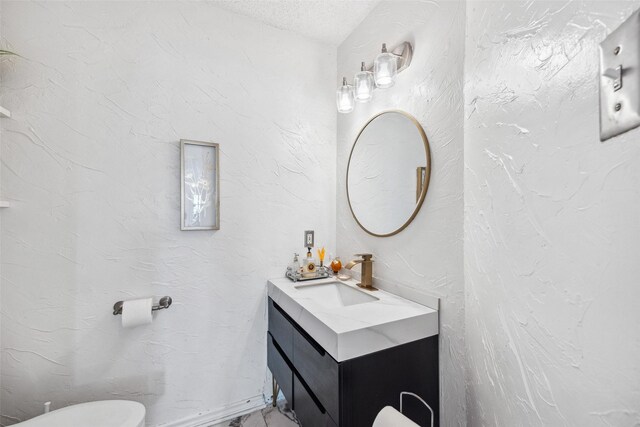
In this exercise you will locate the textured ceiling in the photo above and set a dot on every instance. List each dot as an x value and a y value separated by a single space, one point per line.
328 21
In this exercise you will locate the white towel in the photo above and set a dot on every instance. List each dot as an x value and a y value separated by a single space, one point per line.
389 417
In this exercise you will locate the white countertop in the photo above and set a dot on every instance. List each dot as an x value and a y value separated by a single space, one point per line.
355 330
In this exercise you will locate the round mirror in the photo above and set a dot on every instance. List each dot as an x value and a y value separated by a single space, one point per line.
388 173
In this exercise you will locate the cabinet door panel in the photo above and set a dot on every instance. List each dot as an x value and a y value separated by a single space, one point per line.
371 382
279 369
281 329
309 412
318 370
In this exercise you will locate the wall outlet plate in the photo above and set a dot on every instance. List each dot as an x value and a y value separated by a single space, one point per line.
620 79
309 238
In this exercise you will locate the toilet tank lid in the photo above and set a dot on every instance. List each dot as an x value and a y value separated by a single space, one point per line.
103 413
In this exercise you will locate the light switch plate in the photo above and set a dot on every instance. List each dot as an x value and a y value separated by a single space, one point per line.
620 79
308 238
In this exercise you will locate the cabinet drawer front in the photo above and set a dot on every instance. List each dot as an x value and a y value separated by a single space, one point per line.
308 411
279 369
281 329
318 370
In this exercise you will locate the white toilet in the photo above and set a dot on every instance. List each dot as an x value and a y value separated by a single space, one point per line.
103 413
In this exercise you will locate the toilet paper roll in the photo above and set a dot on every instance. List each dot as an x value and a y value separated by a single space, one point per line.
389 417
136 312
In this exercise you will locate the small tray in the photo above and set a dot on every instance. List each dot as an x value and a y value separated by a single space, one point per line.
322 273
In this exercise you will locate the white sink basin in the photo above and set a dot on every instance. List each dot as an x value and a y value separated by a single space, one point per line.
335 294
350 322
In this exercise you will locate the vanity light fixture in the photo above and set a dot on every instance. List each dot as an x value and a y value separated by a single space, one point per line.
383 74
345 97
363 83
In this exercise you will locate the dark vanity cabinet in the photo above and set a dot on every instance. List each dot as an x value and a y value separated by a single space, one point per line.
323 392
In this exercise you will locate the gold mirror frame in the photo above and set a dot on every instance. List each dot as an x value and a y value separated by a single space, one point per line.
425 187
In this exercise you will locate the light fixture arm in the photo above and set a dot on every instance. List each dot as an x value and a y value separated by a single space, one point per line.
404 52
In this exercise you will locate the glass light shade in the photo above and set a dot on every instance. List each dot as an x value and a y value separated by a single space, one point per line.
385 69
363 84
345 98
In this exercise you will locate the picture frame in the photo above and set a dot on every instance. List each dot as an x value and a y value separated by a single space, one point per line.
199 185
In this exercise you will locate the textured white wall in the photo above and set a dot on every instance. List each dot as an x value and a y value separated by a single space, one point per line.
552 222
91 162
428 254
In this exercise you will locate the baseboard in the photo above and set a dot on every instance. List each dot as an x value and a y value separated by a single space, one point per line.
220 415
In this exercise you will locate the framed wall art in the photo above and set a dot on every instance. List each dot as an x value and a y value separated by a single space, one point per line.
200 185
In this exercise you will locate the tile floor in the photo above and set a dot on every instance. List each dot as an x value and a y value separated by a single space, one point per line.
280 416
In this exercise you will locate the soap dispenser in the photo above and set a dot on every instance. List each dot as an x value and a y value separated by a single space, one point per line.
294 267
309 264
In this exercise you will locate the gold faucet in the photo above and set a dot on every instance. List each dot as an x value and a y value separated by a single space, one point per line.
366 271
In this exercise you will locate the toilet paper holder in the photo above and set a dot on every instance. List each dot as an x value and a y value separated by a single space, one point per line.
407 393
164 302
